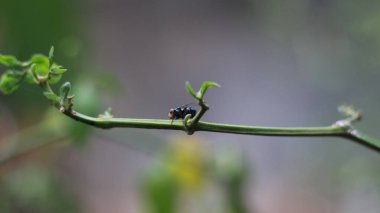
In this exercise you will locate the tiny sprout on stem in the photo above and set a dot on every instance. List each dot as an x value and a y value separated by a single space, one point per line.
51 56
65 98
107 114
191 125
351 115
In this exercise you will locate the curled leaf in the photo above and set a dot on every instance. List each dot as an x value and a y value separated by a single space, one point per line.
65 89
41 66
185 123
206 85
57 69
56 72
66 100
191 91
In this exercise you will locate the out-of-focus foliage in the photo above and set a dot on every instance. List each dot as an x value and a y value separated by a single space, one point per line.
9 61
185 168
31 26
36 70
28 27
41 68
361 21
10 81
34 189
231 170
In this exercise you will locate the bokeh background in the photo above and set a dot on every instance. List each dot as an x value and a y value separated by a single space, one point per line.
280 63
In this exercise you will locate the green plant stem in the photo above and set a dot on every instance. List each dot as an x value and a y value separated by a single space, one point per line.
191 125
344 131
363 139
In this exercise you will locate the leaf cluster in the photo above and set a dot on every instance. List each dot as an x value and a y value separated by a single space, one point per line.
39 68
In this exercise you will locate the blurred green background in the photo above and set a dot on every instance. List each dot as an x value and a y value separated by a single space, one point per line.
280 63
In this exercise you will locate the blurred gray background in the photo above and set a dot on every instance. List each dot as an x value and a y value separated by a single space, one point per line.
280 63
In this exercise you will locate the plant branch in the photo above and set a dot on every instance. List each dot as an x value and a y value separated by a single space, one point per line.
43 71
342 128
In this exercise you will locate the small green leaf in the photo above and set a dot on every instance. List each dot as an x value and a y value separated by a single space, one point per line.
56 69
42 65
51 96
350 113
56 72
347 110
39 59
54 78
51 55
65 99
29 78
107 114
205 86
10 81
9 60
191 91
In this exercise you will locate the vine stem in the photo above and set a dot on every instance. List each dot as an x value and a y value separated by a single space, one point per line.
336 130
323 131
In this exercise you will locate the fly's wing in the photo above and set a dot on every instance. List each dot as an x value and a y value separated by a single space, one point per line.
189 111
185 111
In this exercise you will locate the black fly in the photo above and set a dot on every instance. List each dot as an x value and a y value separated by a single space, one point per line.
181 112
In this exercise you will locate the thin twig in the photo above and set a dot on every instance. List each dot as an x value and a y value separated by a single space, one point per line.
341 128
